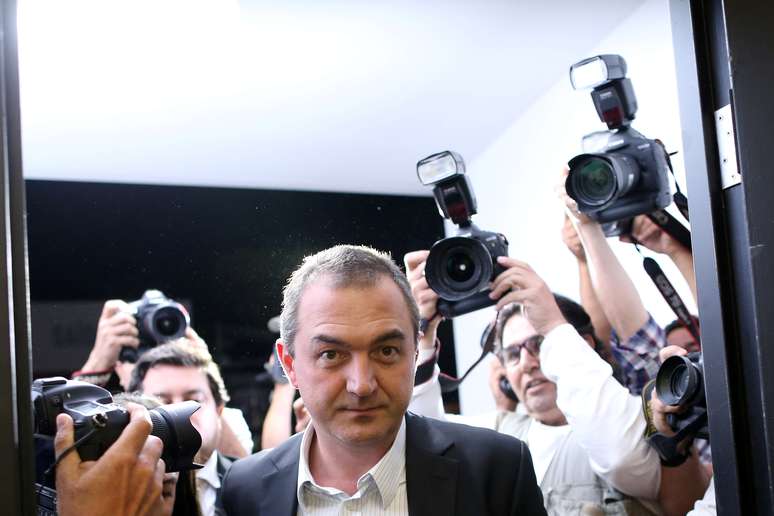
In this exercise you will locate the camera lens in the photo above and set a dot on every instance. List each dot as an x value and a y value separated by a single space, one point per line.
458 267
167 323
597 180
679 381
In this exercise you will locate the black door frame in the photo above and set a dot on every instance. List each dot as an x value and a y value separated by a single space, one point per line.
17 466
724 54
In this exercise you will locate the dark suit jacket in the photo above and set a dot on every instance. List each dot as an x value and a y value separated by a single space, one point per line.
450 469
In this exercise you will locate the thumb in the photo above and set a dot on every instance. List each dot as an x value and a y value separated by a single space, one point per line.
63 440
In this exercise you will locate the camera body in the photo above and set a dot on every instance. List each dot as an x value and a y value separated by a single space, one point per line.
100 421
459 268
159 319
621 173
680 382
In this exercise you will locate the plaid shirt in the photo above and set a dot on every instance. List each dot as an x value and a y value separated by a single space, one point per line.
638 355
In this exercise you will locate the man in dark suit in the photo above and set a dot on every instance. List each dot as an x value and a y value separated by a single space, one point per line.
349 331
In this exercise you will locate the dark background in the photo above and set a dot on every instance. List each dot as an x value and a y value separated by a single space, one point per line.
225 252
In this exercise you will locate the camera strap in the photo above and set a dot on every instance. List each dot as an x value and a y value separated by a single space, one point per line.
667 222
670 295
448 382
69 450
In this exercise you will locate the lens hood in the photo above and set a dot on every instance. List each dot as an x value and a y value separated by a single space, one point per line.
172 424
458 267
679 381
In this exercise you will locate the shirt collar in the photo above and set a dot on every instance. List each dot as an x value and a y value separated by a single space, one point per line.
209 473
387 474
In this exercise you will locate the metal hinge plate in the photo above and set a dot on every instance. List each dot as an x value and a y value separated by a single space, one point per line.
724 127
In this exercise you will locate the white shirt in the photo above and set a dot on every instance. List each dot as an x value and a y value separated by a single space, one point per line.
381 491
543 441
207 485
604 418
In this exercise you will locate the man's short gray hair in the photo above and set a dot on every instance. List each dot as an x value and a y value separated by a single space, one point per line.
344 266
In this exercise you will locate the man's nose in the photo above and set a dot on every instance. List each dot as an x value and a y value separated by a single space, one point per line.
360 377
528 362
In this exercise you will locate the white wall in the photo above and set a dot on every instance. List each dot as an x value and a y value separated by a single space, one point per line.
515 175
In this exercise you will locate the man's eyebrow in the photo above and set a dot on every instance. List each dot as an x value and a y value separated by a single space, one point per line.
395 334
328 339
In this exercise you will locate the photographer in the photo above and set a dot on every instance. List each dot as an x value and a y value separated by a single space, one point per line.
636 337
116 329
583 428
179 371
685 483
126 481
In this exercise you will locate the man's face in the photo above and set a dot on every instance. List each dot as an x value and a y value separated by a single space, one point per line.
173 384
355 351
683 338
536 392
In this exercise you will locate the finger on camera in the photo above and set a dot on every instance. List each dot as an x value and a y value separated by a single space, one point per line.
514 296
419 285
122 318
63 440
669 351
125 328
129 342
659 406
413 259
135 434
113 306
508 262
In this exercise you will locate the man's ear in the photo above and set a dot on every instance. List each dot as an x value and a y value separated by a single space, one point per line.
287 362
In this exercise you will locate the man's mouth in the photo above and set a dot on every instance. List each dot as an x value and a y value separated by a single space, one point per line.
534 383
361 409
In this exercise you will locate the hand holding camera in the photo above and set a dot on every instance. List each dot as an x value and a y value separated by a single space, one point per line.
521 284
646 232
116 329
125 481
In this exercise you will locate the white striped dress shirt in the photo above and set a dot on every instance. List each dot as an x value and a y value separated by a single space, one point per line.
381 491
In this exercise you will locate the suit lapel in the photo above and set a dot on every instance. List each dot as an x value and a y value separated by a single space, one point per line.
431 477
279 486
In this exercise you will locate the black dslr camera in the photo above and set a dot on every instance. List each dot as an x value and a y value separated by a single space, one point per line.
459 268
680 382
159 319
99 422
622 174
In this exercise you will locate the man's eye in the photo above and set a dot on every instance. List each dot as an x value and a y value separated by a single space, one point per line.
389 352
329 355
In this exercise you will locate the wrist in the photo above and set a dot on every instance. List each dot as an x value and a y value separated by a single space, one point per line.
427 337
97 365
547 328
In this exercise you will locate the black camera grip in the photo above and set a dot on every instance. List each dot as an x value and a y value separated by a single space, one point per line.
450 309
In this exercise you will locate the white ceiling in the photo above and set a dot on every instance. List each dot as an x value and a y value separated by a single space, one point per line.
335 95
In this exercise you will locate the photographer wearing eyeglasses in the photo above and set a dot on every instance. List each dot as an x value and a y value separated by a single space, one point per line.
583 428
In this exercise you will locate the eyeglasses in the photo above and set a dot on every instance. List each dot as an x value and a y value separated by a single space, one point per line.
512 354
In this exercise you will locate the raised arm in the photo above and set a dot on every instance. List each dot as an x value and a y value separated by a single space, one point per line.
607 421
588 297
426 398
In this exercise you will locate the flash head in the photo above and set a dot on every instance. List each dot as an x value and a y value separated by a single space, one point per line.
444 165
597 70
445 172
